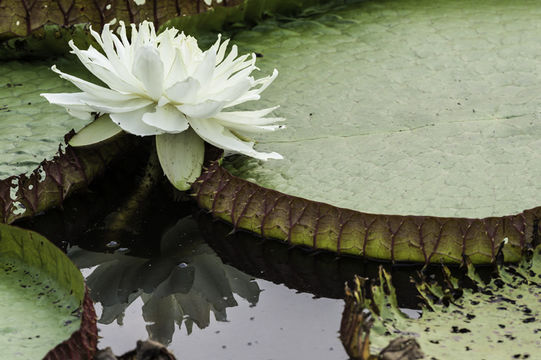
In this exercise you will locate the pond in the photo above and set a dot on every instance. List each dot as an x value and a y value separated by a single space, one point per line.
393 107
190 282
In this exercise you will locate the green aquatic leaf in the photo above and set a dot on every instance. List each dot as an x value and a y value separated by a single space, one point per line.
181 156
98 131
412 108
409 107
42 295
31 129
477 321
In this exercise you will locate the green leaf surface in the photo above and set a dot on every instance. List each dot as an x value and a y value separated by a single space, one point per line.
181 156
404 107
98 131
41 293
31 129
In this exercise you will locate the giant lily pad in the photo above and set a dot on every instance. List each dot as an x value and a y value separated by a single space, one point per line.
43 300
396 107
410 108
31 129
31 133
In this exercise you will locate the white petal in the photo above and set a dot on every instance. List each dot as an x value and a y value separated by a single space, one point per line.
266 81
217 135
254 94
221 51
148 68
113 106
230 65
96 36
93 90
190 54
178 71
168 119
121 30
72 103
167 49
132 122
249 117
91 54
249 128
65 99
108 46
251 95
183 91
104 70
244 70
233 92
202 110
205 70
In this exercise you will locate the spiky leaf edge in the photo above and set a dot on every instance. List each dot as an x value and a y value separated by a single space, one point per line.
421 239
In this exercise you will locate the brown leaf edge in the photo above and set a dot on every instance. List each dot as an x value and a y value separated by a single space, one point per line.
83 343
420 239
54 180
22 17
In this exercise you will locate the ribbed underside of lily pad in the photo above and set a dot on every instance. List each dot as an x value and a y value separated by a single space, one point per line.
30 128
405 107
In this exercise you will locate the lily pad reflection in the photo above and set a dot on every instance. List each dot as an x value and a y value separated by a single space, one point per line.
182 285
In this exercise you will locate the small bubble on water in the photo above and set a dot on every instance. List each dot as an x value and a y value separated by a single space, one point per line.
112 244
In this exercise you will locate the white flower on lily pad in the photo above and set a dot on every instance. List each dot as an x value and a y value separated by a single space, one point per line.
165 85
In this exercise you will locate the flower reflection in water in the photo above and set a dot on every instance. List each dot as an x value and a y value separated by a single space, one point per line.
182 285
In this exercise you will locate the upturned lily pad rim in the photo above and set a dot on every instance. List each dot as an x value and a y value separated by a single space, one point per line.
397 238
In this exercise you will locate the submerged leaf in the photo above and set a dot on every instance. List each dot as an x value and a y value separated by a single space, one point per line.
479 321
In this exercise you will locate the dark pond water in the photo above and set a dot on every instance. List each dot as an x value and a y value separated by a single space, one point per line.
186 296
173 274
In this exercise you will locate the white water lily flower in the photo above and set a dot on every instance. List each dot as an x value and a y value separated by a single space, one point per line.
165 84
208 2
